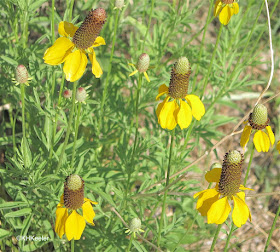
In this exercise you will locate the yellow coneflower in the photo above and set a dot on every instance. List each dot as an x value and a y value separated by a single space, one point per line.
68 221
142 65
214 203
75 43
225 9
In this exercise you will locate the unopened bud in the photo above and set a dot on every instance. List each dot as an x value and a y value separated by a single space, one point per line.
143 63
67 93
81 94
21 74
135 225
259 115
119 4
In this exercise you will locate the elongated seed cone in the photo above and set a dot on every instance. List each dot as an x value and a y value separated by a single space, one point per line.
258 119
228 1
231 173
179 81
73 192
21 74
85 36
143 63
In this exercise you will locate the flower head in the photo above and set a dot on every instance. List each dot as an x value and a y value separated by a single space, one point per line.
178 107
134 227
81 94
119 4
21 76
258 121
225 9
75 43
214 203
142 65
68 220
67 93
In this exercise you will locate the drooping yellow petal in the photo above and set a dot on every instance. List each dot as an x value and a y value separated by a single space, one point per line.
96 68
58 52
98 42
206 199
163 89
75 65
218 7
214 175
184 115
134 72
225 15
88 212
146 76
240 211
92 202
242 187
198 109
166 117
61 217
219 211
278 146
261 141
235 7
66 29
270 134
245 136
159 108
74 226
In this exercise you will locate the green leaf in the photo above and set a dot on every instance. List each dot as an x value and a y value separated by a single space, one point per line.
21 212
9 205
4 233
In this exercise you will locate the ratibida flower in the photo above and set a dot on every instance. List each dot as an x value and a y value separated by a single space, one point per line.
134 227
21 76
68 220
225 9
178 107
142 65
215 203
258 121
75 43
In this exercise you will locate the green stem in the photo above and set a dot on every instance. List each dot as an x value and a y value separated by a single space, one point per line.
52 22
208 20
72 245
215 237
249 165
130 242
68 127
76 134
165 192
272 229
71 10
56 117
22 90
212 60
149 24
13 124
229 236
104 96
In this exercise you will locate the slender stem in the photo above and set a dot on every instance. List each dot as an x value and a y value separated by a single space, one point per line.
72 245
68 127
208 20
52 22
212 60
139 84
249 165
76 134
22 90
166 184
104 96
229 236
56 116
272 229
149 24
215 237
130 242
12 120
71 10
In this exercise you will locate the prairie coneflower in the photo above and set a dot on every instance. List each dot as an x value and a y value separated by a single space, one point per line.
75 43
225 9
142 65
68 220
21 76
178 107
214 203
134 227
258 121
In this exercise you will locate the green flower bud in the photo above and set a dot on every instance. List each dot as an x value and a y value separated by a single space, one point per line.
135 225
119 4
21 74
81 94
67 93
143 63
259 115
